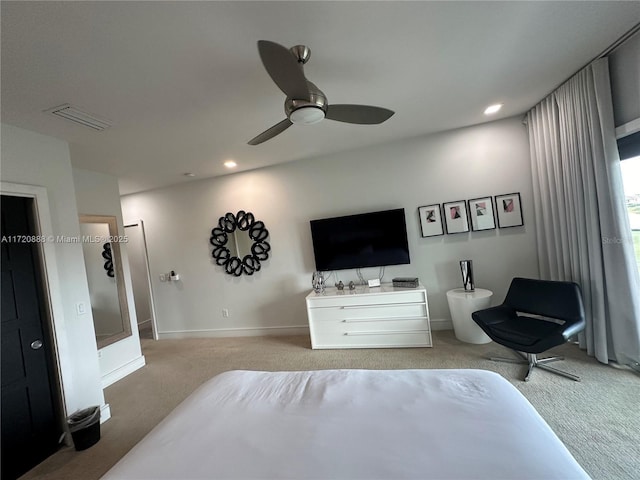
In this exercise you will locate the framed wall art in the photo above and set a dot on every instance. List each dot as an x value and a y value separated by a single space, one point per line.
430 220
455 216
509 210
481 214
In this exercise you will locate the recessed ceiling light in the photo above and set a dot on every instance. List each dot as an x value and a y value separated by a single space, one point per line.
490 110
189 174
230 164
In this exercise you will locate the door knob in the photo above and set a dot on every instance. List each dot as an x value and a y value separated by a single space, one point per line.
36 344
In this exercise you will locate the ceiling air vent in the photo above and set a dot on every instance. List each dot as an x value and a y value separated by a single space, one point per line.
74 114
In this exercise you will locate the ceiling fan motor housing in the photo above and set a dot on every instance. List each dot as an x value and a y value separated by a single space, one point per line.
307 112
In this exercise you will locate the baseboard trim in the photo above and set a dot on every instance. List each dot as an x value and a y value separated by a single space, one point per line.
121 372
235 332
441 324
436 324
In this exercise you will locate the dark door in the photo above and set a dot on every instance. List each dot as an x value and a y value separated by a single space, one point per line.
30 422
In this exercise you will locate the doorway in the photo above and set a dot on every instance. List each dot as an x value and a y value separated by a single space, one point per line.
31 410
141 280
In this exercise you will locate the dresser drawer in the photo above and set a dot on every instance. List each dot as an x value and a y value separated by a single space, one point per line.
346 327
369 312
326 340
353 299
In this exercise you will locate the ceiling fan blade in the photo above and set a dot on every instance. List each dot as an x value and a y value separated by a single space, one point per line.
284 69
362 114
271 132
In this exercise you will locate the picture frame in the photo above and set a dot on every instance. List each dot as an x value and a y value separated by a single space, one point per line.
456 218
509 210
430 220
481 214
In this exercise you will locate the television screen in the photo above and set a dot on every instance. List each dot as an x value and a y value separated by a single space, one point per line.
357 241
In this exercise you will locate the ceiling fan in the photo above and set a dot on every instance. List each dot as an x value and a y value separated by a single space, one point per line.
305 103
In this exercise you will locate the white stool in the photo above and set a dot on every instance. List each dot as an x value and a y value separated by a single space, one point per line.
462 304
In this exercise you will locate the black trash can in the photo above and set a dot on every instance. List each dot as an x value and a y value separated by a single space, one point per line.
84 426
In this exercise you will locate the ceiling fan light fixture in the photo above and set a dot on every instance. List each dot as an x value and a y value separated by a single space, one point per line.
307 115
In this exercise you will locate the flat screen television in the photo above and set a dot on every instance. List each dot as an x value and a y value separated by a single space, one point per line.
357 241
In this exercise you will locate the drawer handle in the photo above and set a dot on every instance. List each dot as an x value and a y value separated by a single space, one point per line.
382 319
380 305
354 334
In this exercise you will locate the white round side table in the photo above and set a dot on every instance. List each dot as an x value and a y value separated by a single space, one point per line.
462 304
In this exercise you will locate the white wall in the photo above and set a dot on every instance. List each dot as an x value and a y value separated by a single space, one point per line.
489 159
98 194
34 159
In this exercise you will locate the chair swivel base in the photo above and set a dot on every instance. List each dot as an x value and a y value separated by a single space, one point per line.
533 361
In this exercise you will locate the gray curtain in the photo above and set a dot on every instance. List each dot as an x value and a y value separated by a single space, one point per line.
583 232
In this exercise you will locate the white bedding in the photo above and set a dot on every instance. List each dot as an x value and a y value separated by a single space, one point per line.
348 424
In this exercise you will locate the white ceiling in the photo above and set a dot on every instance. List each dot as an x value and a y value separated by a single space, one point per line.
185 87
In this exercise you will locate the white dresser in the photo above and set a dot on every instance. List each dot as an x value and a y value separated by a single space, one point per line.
379 317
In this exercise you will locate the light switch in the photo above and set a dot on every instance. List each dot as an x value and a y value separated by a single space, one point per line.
81 308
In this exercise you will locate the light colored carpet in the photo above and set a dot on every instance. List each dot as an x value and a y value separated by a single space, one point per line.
598 418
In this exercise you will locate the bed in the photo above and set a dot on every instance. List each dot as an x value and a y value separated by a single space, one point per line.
352 424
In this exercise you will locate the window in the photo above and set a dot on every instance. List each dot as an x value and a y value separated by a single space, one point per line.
629 148
631 180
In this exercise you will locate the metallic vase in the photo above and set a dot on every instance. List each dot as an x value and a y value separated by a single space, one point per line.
318 282
466 268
